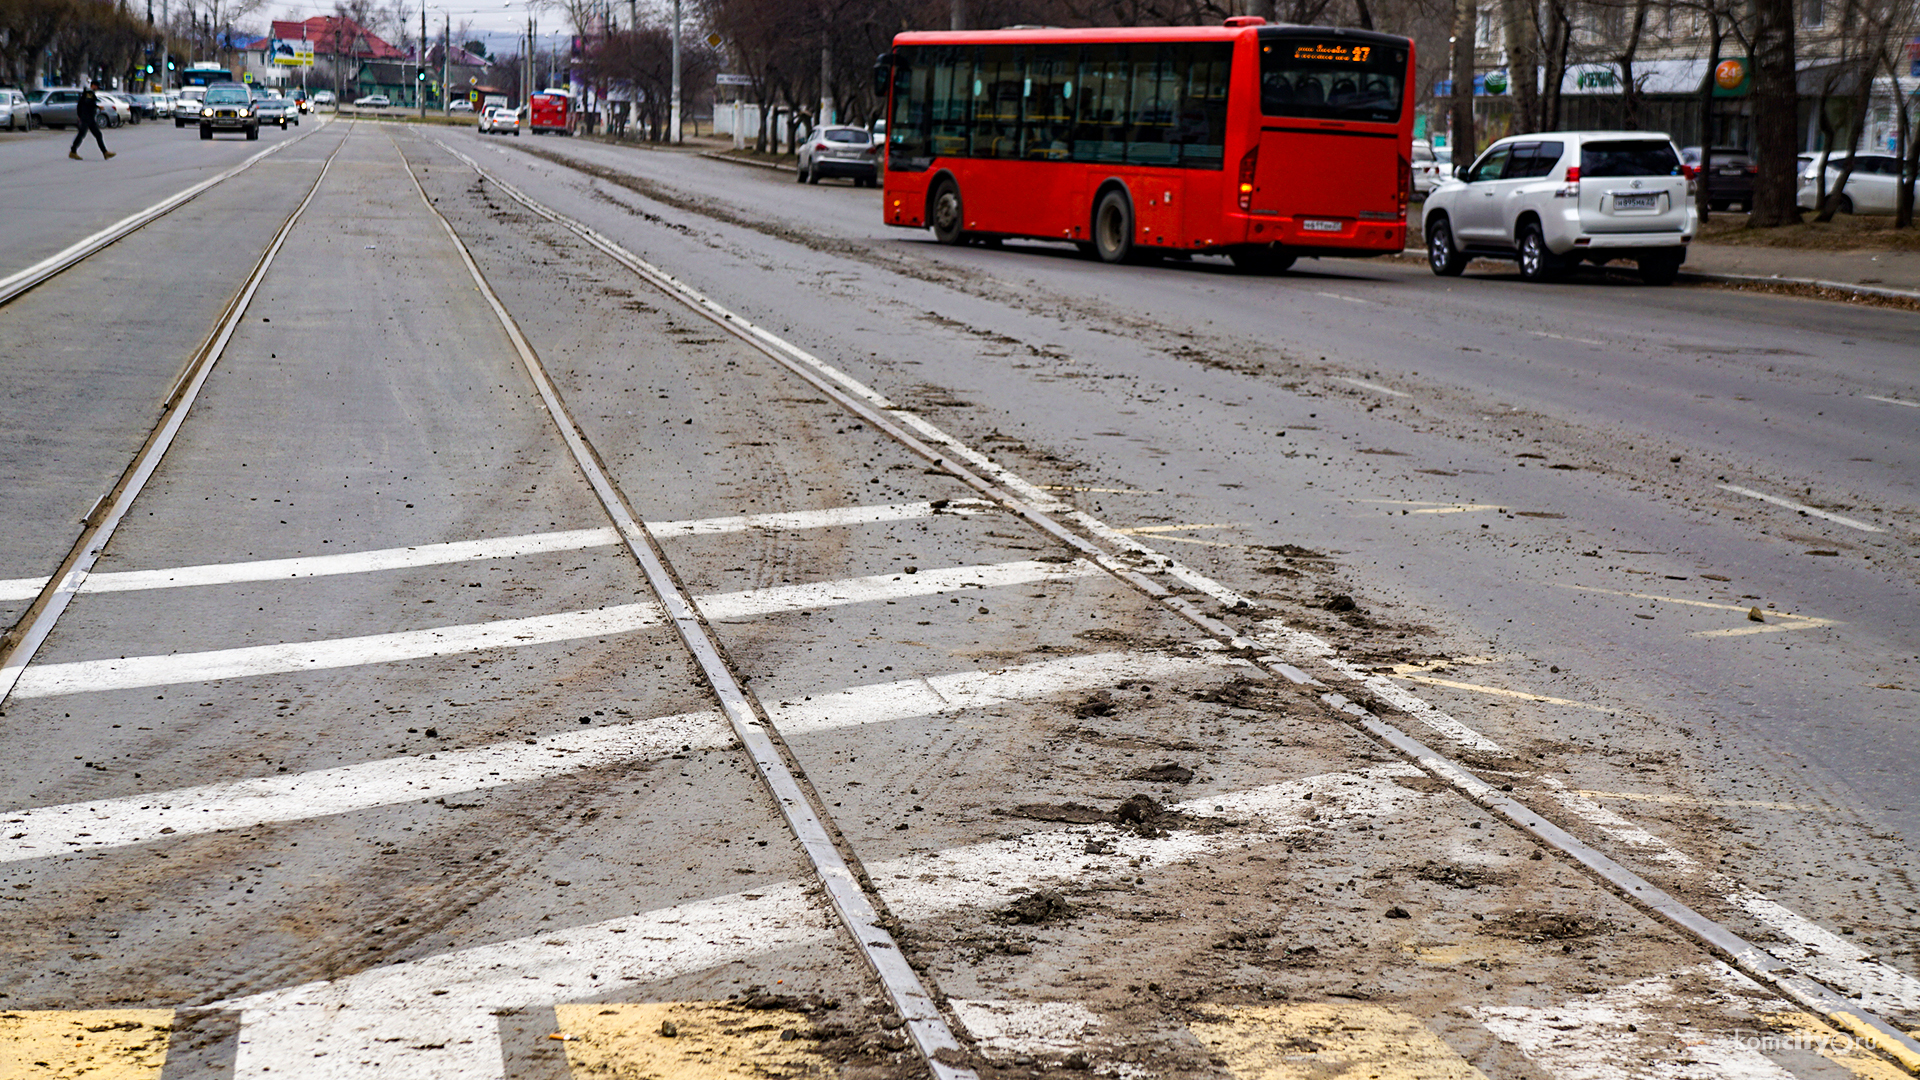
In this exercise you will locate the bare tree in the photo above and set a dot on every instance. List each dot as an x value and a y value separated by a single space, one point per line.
1775 106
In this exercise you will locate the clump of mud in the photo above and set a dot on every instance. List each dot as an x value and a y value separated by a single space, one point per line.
1036 908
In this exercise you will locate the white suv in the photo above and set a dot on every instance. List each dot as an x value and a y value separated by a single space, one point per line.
1554 199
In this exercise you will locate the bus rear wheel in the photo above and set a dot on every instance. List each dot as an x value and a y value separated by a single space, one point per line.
948 215
1113 227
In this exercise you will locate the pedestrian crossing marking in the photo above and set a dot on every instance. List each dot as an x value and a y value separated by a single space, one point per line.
689 1040
1308 1042
98 1044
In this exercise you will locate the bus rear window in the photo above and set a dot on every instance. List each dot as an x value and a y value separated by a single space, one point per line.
1331 79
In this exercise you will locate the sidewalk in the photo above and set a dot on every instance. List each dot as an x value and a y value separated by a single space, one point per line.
1888 270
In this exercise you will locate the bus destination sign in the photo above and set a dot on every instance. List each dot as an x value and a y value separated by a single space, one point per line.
1352 54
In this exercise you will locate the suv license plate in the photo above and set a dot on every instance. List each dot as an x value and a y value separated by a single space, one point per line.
1320 225
1635 202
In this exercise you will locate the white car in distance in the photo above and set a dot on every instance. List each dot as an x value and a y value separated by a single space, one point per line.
498 119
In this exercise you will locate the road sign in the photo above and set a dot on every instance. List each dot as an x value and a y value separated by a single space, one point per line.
733 80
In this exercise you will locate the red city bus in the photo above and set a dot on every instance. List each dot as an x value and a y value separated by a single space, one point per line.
550 110
1262 143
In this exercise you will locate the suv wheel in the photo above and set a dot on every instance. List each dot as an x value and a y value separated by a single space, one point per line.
1661 268
1537 260
1445 259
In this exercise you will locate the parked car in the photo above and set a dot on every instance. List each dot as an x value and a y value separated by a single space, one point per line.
116 109
186 105
1873 187
56 107
839 150
1730 176
325 97
16 110
275 110
460 106
372 101
495 119
1554 199
228 107
1426 168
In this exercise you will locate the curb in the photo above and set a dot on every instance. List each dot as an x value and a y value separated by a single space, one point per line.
1837 286
1755 279
715 155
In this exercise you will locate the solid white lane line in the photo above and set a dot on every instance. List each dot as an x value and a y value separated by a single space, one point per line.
361 562
1837 519
1894 401
1831 958
1375 387
47 831
123 673
431 1018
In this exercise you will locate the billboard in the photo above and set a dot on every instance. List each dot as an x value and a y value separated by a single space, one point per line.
288 52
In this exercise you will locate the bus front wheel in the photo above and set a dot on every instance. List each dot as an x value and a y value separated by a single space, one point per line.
1113 227
949 214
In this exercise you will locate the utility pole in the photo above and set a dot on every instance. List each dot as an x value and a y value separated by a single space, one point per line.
673 105
446 57
420 65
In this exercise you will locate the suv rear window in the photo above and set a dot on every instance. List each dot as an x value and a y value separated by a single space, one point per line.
1639 157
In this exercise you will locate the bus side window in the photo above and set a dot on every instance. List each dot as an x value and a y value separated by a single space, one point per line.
1101 106
907 132
951 99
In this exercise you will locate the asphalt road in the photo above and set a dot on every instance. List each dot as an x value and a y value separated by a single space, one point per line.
366 750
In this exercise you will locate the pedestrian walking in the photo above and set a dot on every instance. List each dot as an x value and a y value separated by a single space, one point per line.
88 114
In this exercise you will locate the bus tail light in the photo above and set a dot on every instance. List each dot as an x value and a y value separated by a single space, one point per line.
1406 185
1247 164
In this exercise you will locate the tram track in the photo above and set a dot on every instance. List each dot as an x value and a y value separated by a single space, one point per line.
31 277
18 647
1306 661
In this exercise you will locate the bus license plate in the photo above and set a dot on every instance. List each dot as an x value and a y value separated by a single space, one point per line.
1320 225
1635 202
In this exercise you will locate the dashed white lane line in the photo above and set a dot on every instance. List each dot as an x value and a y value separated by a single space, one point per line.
90 827
1563 337
87 676
1837 519
1375 387
1893 401
1348 299
360 562
433 1018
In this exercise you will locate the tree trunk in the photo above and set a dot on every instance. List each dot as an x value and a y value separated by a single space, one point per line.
1775 107
1704 194
1903 192
1631 96
1460 134
1856 129
1559 40
1523 63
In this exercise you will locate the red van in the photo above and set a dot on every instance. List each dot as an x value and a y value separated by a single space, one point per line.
551 110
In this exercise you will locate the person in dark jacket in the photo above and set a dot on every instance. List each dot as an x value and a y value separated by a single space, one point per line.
88 114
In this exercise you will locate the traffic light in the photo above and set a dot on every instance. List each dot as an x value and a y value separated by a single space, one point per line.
420 76
149 69
169 65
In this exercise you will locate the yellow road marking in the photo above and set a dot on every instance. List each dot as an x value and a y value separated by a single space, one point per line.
1311 1042
1805 1031
1164 532
1777 621
711 1040
99 1044
1442 665
1682 800
1541 699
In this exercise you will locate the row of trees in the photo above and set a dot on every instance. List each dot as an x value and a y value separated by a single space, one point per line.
71 40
